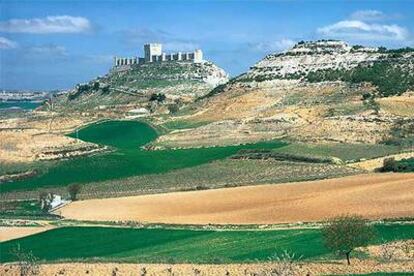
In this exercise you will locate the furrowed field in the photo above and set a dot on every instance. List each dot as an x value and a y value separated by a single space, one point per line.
181 246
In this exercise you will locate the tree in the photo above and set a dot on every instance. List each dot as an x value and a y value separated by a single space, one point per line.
345 233
74 190
44 200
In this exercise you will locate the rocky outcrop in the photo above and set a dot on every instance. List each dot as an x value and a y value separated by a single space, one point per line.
321 56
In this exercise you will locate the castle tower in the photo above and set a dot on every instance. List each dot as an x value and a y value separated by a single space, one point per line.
152 49
198 55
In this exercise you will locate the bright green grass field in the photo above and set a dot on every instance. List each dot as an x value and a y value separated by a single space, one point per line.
127 160
172 245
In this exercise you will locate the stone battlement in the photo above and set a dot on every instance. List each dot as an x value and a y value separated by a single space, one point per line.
153 53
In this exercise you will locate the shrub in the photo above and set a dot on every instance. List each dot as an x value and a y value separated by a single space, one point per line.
73 191
404 165
159 97
173 108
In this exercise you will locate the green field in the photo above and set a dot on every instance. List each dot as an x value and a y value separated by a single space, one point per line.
383 274
175 245
127 159
345 152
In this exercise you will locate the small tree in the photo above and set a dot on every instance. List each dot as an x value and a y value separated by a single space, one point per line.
73 191
43 200
345 233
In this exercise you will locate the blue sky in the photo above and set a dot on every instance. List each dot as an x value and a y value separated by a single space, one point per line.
56 44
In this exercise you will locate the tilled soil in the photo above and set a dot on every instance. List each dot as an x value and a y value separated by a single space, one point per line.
373 196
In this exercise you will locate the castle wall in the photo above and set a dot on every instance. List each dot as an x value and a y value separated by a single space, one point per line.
153 53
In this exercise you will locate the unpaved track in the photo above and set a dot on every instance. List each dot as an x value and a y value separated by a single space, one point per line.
371 195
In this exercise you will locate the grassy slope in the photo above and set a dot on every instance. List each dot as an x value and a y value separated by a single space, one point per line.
345 152
127 160
168 245
220 173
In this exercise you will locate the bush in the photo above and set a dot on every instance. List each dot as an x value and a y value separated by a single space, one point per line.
159 97
173 108
73 191
404 165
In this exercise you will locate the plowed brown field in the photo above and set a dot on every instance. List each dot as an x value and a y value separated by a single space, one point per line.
371 195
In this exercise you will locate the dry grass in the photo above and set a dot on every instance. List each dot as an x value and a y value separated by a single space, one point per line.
398 105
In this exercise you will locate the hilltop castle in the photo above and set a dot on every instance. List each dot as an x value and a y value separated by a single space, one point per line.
153 53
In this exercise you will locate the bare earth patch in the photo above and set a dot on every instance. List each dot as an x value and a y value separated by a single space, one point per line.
374 196
41 138
11 233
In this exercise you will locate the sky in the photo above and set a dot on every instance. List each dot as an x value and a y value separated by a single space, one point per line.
47 45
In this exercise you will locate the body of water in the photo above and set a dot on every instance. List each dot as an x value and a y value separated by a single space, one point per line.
26 105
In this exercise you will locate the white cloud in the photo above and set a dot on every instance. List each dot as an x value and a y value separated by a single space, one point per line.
368 15
357 29
49 24
274 46
7 43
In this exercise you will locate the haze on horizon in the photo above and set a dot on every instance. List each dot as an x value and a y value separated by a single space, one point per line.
54 45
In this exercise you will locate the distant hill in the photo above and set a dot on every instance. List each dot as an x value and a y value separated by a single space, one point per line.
391 71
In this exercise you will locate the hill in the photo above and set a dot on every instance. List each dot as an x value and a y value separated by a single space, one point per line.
320 91
140 89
